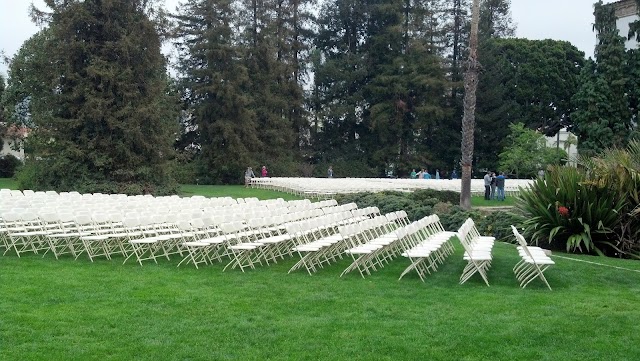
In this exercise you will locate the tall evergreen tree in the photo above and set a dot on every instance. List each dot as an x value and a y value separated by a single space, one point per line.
606 86
528 81
339 78
382 82
276 42
495 19
103 121
216 86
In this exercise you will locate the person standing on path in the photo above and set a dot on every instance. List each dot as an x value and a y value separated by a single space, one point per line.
487 186
330 172
248 174
265 173
500 184
493 186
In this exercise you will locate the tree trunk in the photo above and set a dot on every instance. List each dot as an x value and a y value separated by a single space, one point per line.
469 118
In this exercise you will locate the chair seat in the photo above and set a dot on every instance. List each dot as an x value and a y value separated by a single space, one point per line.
244 246
100 237
195 244
144 240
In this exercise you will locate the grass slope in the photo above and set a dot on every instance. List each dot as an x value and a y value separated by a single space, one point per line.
8 183
77 310
235 191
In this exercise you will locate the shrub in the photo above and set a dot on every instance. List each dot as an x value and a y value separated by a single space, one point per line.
443 196
618 170
37 176
8 165
452 220
566 209
498 224
343 168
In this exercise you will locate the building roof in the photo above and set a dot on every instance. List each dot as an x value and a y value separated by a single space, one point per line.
15 131
625 8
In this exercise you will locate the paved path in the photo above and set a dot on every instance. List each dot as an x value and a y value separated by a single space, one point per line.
495 209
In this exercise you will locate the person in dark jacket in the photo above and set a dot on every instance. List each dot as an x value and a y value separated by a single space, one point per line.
500 185
493 185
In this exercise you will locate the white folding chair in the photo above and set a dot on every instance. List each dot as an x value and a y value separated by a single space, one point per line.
532 264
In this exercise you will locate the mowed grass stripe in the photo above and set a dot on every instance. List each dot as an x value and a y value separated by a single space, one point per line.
66 309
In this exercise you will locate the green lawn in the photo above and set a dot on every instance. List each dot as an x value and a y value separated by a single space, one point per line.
479 201
8 183
78 310
235 191
238 191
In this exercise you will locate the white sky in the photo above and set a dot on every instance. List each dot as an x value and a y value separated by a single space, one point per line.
569 20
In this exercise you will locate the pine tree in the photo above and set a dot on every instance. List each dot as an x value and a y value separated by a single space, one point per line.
215 86
103 120
495 19
340 76
603 118
528 81
275 42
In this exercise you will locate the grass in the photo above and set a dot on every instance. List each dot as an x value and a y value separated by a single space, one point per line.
235 191
238 191
78 310
66 309
8 183
479 201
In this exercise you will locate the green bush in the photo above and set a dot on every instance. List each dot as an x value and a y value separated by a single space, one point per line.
452 220
9 164
498 224
38 176
443 196
345 168
390 202
567 210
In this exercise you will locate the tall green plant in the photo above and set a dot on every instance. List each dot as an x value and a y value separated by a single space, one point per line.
566 208
619 171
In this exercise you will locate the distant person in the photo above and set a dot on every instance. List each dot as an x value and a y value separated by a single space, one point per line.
426 174
264 171
248 174
487 186
454 175
541 173
493 185
500 184
330 172
437 174
419 175
413 174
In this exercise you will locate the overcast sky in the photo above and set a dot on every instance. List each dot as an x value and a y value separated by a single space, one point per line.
569 20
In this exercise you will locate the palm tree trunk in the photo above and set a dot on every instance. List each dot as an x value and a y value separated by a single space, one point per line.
469 118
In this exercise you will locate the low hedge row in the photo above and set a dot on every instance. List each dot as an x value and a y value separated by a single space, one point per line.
426 202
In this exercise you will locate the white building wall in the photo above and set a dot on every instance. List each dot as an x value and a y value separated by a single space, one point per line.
623 27
568 142
7 148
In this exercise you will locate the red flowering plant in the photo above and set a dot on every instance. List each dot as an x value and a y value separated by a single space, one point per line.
566 209
563 211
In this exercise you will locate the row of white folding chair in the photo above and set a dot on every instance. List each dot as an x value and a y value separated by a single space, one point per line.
257 239
274 243
22 231
478 251
320 243
249 242
372 243
426 244
533 262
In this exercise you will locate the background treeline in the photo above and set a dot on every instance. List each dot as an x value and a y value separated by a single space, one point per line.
367 86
